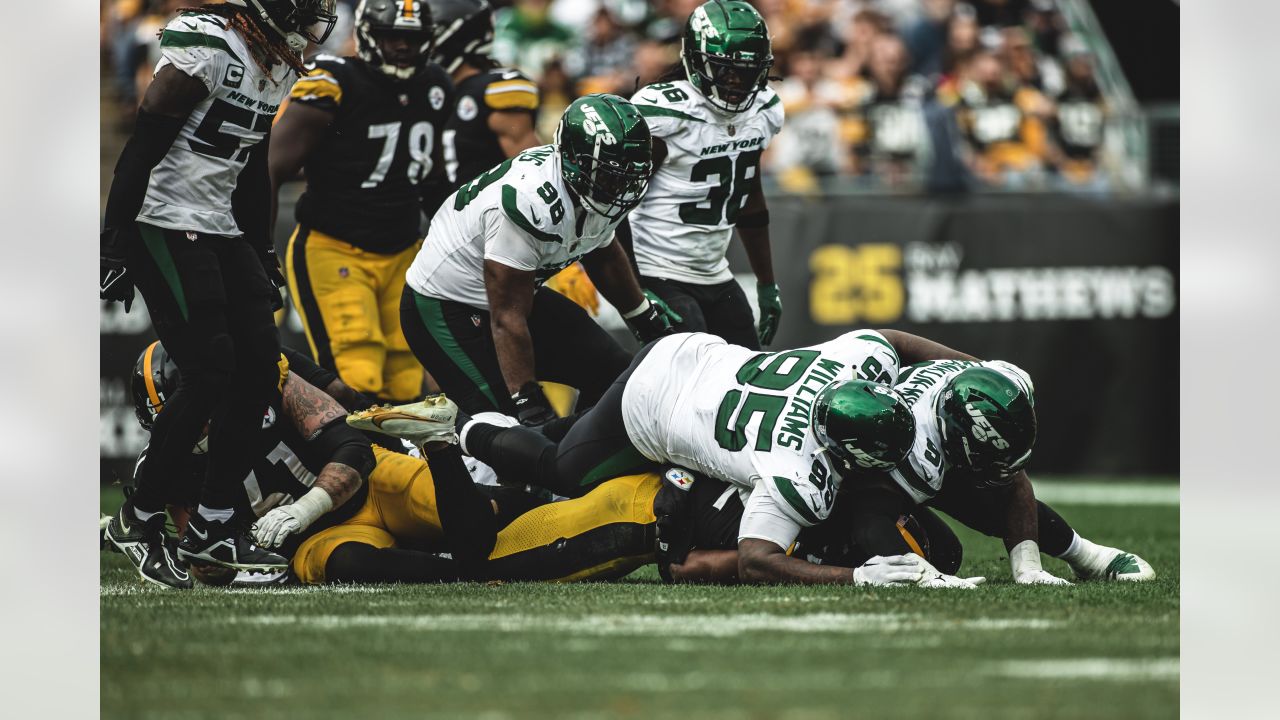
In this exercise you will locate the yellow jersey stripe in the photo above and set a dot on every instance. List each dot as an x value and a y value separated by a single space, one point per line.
509 85
512 100
314 88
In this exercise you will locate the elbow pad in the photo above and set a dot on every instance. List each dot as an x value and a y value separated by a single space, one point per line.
341 443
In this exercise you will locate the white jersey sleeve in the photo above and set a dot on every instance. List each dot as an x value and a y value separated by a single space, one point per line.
765 518
508 244
207 63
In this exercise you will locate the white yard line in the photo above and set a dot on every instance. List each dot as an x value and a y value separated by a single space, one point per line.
1105 493
1113 669
654 625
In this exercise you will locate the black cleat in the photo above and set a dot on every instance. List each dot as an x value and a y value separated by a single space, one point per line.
148 547
226 544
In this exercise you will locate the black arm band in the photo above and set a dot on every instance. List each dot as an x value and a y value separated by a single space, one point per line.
153 135
304 367
756 219
344 444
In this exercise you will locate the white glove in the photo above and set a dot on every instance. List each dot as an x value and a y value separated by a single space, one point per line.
1024 559
279 523
941 580
1038 577
892 570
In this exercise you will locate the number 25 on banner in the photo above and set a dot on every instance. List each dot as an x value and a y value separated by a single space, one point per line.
855 284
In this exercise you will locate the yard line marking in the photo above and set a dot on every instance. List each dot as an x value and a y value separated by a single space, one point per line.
654 625
1114 669
1103 493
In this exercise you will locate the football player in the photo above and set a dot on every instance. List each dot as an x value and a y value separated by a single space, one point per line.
975 429
473 309
495 109
187 222
367 129
785 428
710 122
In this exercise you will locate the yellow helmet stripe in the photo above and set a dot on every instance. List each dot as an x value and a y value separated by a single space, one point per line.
911 541
408 9
148 378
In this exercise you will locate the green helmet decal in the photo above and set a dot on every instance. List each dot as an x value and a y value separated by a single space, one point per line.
726 53
988 424
606 153
864 424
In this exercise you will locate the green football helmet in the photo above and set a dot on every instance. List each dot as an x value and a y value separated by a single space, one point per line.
606 153
988 424
726 53
865 425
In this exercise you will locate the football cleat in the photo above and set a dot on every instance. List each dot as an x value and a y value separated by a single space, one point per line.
429 422
1110 564
228 545
147 546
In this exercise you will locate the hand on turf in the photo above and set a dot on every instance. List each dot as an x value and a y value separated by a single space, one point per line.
271 529
942 580
891 570
1038 577
770 311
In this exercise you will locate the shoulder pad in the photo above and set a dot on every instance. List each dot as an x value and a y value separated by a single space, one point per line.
674 102
197 31
322 85
507 89
520 206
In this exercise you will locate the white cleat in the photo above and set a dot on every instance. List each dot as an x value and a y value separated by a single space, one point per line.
429 422
1111 564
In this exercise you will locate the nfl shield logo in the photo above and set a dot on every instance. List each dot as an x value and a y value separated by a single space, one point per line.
404 99
733 130
343 272
475 320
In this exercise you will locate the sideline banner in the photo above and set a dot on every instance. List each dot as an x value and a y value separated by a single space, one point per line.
1082 293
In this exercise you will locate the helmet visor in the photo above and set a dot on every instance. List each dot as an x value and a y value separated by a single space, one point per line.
735 82
315 19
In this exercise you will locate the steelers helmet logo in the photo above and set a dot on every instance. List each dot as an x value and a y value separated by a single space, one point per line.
436 97
467 109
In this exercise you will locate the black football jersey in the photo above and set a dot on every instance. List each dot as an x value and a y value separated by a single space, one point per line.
470 146
363 178
1080 122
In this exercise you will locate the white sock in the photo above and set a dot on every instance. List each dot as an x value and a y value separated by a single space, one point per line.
1080 550
143 515
216 514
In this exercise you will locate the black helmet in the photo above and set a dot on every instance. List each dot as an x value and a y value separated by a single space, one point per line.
296 21
408 18
463 32
155 377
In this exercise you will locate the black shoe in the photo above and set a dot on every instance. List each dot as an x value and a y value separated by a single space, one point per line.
148 547
226 544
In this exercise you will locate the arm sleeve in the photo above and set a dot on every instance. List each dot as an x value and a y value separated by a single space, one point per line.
505 242
304 367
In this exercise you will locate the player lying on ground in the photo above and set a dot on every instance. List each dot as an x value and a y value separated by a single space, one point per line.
975 429
695 401
367 128
474 310
711 117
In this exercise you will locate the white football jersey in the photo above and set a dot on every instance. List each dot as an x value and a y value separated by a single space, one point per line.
681 230
922 473
744 417
518 214
191 187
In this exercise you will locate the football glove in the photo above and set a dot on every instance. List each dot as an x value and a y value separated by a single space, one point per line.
1038 577
271 530
672 317
770 311
934 578
906 569
114 284
271 264
532 407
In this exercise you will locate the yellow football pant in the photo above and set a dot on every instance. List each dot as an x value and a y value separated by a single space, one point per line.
603 535
349 302
400 510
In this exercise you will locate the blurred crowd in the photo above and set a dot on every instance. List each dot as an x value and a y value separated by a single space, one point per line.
946 95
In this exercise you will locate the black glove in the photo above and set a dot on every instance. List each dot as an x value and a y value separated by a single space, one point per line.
114 283
271 263
532 408
651 324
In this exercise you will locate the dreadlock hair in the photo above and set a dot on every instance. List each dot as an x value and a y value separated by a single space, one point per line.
268 48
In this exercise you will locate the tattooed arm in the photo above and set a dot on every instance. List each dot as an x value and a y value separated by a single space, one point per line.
318 419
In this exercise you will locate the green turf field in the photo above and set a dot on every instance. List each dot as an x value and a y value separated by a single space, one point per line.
639 649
